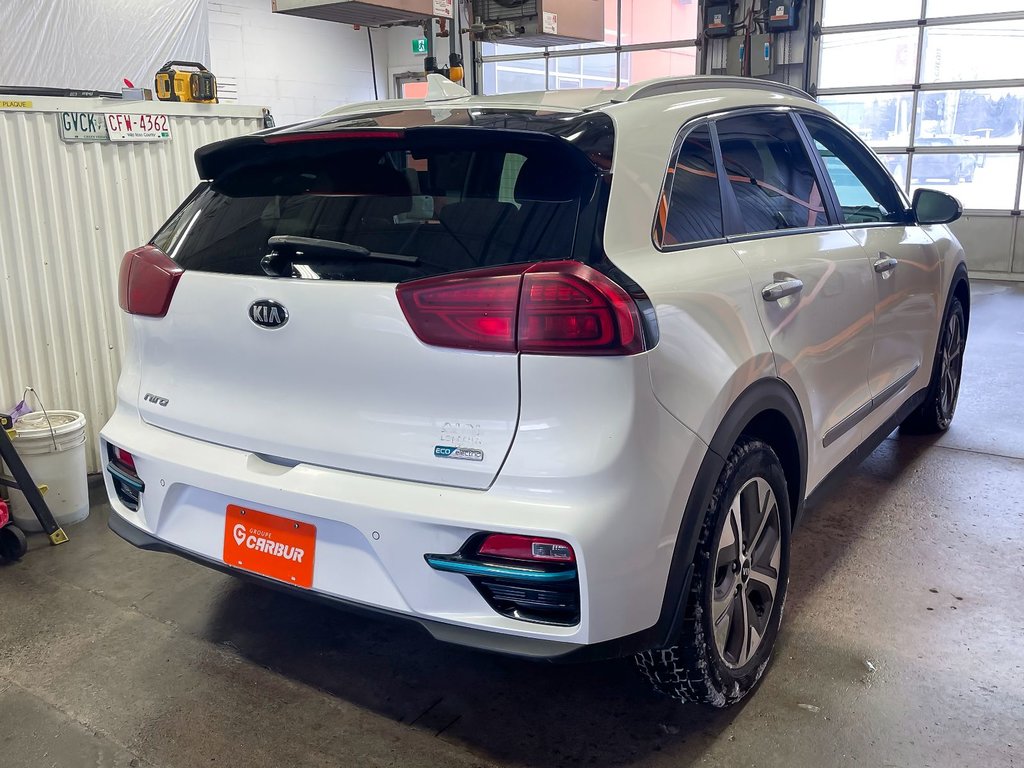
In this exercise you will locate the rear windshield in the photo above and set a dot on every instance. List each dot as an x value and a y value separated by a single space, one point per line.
384 210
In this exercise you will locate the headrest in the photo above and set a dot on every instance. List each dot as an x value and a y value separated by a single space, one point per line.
741 157
538 181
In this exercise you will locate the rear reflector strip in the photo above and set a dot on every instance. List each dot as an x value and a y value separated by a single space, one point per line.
119 474
451 564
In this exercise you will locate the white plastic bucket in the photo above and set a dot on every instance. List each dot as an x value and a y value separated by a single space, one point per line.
54 453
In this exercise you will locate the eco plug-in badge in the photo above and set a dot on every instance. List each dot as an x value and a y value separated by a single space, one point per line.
452 452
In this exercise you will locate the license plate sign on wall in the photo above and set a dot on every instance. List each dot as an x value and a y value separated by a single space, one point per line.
125 127
83 126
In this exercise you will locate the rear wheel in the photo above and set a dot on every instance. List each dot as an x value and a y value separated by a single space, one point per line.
739 585
936 413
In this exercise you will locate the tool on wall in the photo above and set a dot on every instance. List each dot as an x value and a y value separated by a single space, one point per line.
186 81
455 70
22 481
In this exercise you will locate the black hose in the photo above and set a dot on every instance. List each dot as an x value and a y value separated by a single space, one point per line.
373 64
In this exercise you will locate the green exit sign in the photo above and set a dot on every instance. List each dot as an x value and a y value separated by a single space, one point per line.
419 45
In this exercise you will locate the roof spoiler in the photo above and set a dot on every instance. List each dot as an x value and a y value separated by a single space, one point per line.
215 160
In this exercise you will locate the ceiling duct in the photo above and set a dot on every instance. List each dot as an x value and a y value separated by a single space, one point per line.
368 13
538 22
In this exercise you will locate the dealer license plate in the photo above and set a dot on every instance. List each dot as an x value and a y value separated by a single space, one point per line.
269 545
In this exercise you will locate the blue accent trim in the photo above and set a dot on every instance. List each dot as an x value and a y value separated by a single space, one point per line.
125 478
440 563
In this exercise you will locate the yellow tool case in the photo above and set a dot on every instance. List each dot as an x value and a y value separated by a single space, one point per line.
186 81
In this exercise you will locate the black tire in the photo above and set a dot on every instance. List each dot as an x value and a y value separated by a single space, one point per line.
935 414
702 667
13 544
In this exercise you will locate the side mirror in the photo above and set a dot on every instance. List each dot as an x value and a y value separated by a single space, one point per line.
934 207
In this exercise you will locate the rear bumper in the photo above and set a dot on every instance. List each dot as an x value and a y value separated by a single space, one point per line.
512 645
619 508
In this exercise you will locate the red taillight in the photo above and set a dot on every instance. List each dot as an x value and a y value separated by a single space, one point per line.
570 308
550 308
147 281
527 548
121 456
473 310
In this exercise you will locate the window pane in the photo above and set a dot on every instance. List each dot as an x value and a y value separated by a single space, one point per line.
694 203
880 119
361 193
644 65
565 65
513 76
599 65
957 8
501 49
770 173
653 21
982 116
839 12
989 51
868 58
865 191
897 166
977 181
592 71
509 176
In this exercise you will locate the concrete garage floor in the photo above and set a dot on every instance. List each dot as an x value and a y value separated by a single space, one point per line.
903 643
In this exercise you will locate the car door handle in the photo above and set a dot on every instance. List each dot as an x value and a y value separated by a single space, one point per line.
885 264
781 289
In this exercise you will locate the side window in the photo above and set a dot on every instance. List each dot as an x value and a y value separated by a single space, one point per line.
170 233
865 190
770 173
690 207
513 164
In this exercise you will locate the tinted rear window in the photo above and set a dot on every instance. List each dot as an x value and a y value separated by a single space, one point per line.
385 210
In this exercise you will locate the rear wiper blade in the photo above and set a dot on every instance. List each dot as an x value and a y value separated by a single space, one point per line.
286 248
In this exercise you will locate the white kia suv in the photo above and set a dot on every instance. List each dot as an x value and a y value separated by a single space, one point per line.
552 374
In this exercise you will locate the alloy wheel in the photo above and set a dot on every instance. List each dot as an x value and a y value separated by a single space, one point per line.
746 575
952 367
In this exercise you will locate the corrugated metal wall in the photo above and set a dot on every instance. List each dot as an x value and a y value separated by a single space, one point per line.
68 212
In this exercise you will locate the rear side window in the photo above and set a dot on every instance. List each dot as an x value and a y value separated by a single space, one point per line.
865 189
770 173
383 210
690 207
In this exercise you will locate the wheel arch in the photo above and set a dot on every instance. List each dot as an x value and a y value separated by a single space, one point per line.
960 288
768 410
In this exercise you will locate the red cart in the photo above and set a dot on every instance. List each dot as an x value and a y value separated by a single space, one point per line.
12 541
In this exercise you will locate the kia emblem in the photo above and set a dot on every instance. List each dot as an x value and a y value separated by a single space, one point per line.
268 314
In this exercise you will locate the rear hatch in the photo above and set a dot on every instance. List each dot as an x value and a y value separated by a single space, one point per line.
284 334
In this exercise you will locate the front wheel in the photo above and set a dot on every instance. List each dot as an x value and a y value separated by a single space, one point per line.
936 413
740 576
